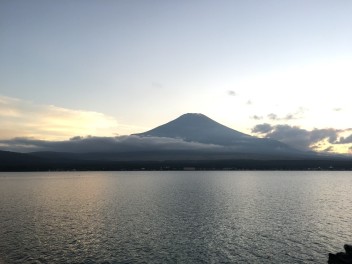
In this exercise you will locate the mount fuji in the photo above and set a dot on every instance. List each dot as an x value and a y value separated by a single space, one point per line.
193 127
190 140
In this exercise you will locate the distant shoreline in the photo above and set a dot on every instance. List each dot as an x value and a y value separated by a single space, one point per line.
176 165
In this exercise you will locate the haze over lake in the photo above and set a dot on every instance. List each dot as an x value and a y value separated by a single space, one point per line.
183 217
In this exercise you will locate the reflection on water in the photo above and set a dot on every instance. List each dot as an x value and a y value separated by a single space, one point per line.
169 217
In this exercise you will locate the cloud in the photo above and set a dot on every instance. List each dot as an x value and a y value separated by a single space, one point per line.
255 117
20 118
294 136
80 144
301 138
337 109
329 149
273 116
290 116
262 128
231 93
344 140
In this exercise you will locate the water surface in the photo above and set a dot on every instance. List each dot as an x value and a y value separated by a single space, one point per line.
174 217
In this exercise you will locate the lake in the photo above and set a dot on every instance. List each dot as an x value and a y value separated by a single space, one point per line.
174 217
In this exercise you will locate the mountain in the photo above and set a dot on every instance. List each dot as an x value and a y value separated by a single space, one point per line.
10 158
22 161
191 140
199 128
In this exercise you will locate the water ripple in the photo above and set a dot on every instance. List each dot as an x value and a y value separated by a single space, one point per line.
174 217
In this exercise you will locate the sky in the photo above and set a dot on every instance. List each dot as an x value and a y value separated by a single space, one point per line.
278 69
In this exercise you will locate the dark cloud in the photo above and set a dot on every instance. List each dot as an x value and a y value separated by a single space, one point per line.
102 144
76 138
262 128
231 92
329 149
343 140
255 117
275 117
301 138
290 116
294 136
330 134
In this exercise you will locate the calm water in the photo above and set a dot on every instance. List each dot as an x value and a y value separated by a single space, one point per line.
174 217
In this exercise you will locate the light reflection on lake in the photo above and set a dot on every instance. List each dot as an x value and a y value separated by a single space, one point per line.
168 217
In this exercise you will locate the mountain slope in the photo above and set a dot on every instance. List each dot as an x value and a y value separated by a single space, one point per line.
14 158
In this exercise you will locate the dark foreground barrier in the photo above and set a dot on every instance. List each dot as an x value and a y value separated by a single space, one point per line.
341 257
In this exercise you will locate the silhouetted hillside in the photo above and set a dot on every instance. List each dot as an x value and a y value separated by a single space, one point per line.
14 158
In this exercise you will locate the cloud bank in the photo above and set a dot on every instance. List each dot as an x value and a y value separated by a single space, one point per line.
300 138
103 144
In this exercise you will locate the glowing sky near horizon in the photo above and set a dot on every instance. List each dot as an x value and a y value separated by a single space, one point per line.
71 68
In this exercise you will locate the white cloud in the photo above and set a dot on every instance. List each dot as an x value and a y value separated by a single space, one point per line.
20 118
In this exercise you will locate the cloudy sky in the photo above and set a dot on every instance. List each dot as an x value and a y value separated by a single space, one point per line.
279 69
